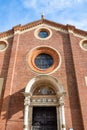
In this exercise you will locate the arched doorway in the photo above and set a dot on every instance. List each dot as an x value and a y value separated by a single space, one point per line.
44 104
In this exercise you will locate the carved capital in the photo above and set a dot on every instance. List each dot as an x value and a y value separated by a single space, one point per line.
26 94
60 102
27 101
61 94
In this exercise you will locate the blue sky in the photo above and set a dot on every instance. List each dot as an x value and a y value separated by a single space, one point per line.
14 12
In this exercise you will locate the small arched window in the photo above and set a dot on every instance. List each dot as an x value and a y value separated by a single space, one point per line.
44 91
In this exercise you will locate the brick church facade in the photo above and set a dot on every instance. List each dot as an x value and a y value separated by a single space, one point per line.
43 77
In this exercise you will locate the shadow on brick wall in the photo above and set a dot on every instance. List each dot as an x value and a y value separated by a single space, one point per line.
72 84
13 106
5 67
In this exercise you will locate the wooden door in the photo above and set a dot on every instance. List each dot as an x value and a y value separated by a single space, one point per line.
44 118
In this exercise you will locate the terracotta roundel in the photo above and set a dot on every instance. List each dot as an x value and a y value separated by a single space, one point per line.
43 59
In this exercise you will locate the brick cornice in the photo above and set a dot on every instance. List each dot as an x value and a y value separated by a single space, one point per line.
75 31
7 33
30 25
67 28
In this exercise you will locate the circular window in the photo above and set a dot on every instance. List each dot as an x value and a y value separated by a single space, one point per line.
3 45
43 33
83 45
44 59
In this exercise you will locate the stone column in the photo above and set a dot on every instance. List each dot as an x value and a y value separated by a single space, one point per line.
58 118
26 111
61 113
30 117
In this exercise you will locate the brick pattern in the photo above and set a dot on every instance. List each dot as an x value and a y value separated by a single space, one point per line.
4 65
80 63
14 68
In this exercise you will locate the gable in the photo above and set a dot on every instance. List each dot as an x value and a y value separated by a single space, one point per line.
43 23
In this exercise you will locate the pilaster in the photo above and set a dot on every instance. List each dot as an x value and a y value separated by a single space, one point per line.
9 83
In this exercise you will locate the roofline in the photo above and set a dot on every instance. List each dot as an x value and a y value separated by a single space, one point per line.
43 21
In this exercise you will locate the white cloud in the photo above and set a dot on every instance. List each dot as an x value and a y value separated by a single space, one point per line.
50 7
81 0
82 24
61 11
29 4
52 4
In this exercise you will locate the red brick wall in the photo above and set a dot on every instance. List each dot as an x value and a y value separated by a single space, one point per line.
80 64
18 75
4 65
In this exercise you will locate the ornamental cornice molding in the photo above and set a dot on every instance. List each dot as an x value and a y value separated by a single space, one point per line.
7 34
43 22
